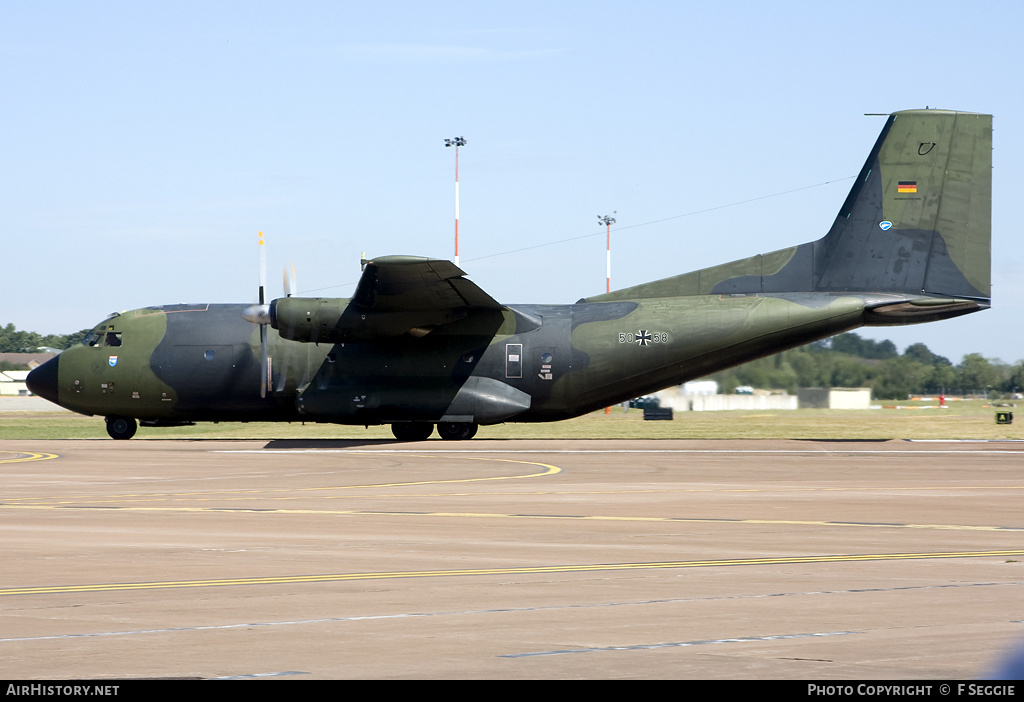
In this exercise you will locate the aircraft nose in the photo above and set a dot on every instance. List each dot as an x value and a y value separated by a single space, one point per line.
43 380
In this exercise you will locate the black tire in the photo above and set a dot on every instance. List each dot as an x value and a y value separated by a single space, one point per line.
412 431
121 428
456 431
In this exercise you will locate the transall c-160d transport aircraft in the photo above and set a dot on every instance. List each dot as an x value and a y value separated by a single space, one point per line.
419 346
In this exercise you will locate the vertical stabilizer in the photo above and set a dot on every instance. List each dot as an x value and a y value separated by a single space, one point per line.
917 222
918 219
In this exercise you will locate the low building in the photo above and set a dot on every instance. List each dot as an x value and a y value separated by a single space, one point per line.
700 387
681 401
29 360
834 398
12 382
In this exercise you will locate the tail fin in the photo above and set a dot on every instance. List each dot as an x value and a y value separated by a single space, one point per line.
917 222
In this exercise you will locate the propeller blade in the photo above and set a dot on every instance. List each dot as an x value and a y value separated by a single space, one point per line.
260 314
265 365
263 270
289 281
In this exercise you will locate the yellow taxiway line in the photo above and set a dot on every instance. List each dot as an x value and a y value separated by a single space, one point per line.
25 457
528 570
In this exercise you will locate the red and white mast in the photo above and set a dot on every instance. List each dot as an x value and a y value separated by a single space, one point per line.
608 221
456 142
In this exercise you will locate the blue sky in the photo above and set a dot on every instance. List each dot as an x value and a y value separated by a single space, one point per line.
145 144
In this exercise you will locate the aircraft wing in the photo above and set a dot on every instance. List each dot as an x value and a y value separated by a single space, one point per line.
412 283
396 295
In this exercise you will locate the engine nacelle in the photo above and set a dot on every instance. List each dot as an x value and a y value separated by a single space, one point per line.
333 320
312 319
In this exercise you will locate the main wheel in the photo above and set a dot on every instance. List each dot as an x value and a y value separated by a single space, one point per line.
456 431
412 431
121 427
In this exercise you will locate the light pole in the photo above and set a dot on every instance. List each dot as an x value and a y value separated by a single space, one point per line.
456 142
608 221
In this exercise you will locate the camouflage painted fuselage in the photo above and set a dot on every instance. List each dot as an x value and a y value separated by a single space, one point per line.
418 342
536 362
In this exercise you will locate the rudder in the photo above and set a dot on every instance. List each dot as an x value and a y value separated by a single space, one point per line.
918 220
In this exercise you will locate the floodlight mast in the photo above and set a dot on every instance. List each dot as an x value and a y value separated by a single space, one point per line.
456 142
608 221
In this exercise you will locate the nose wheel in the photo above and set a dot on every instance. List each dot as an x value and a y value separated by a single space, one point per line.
121 427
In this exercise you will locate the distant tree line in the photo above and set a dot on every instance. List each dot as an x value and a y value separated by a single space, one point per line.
16 341
849 361
843 361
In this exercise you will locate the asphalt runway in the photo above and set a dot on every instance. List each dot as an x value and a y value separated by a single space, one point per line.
302 560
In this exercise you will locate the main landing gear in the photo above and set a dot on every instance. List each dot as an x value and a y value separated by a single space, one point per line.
456 431
121 427
419 431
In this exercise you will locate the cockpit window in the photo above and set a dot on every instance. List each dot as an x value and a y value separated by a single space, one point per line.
102 336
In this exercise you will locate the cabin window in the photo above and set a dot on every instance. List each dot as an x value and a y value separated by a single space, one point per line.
112 338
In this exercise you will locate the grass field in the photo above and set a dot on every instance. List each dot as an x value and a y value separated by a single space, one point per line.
968 419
